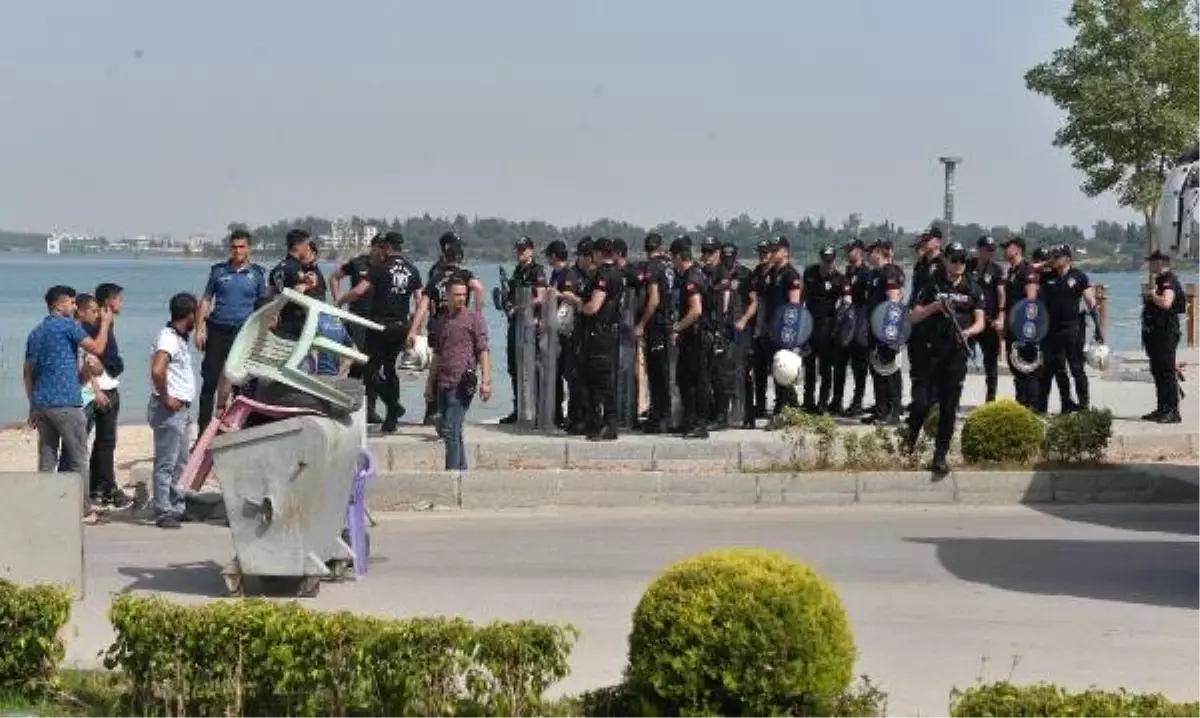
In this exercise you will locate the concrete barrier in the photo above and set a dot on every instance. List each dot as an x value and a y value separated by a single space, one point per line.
41 536
485 489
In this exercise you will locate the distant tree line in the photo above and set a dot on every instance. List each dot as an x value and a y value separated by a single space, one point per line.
491 239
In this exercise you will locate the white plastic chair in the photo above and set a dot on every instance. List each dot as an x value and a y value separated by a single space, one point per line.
258 352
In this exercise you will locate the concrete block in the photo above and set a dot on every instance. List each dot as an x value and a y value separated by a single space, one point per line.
41 536
759 455
487 489
708 490
601 455
1003 487
404 489
808 489
687 456
1104 486
607 489
412 455
909 487
521 452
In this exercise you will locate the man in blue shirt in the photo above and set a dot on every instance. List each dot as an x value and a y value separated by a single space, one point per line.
229 296
52 383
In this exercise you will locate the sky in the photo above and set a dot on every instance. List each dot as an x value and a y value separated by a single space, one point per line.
142 116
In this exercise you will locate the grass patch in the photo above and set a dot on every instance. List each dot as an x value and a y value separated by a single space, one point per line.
76 692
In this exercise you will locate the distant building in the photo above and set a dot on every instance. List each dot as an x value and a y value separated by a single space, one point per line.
53 244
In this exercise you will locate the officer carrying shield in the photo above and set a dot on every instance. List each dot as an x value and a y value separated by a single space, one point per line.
688 332
755 320
852 331
654 328
579 406
929 262
784 286
822 290
952 308
1162 304
1062 289
565 279
600 310
887 285
986 273
527 274
735 329
720 364
1021 281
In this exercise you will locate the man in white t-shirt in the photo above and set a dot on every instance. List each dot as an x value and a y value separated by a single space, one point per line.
172 391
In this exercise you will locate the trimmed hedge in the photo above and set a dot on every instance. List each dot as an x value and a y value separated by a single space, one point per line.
256 657
31 645
739 632
1079 436
1001 431
1047 699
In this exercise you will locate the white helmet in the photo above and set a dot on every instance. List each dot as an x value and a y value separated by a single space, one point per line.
418 358
886 368
1097 356
785 367
1018 362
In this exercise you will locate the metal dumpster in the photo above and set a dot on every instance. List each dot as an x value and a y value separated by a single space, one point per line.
286 485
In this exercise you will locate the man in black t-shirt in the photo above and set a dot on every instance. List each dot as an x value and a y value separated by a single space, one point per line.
565 279
982 268
1162 304
1062 288
298 271
754 320
822 290
784 286
356 271
527 274
598 315
886 285
691 374
653 328
852 346
1021 282
393 283
928 265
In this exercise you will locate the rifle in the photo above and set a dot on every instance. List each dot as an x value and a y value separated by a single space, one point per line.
944 300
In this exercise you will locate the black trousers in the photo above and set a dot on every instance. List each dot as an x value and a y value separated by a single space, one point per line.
820 362
1063 353
764 353
947 371
600 356
102 466
1025 386
854 357
888 389
987 343
385 350
510 360
920 357
692 378
750 410
658 376
721 373
1161 345
216 350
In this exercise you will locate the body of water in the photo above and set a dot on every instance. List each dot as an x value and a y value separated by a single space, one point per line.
150 282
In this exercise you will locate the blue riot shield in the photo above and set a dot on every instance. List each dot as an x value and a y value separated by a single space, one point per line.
792 327
890 324
1028 321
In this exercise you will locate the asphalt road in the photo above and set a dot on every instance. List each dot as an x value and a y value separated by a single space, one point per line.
938 597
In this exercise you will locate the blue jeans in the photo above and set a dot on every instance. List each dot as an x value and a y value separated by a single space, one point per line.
450 428
171 430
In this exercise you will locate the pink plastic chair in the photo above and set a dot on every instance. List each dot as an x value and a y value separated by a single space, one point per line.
200 462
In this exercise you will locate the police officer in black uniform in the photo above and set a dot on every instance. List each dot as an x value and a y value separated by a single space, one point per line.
755 320
392 283
1062 289
720 349
435 305
579 407
691 374
600 310
785 287
952 308
631 273
565 279
1021 281
740 339
987 274
1162 304
887 285
655 317
299 271
822 289
852 351
526 274
356 270
927 266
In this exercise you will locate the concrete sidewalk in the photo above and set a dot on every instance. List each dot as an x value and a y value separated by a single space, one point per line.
938 596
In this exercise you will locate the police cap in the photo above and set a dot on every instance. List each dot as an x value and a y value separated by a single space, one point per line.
447 239
780 242
985 242
394 240
620 247
603 244
1014 240
730 250
956 252
710 244
763 246
557 248
585 246
827 254
523 243
681 244
653 242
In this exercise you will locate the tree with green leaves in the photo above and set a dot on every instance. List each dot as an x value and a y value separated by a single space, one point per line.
1130 86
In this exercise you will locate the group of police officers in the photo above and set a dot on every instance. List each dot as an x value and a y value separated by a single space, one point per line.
705 324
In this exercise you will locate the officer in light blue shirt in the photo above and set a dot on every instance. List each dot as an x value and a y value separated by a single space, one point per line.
229 296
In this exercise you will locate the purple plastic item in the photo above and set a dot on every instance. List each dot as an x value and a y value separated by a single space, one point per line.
356 512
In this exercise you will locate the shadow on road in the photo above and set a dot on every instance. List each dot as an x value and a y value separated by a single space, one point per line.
1158 573
1171 519
199 578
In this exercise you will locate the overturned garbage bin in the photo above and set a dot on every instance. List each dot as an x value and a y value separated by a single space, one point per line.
287 482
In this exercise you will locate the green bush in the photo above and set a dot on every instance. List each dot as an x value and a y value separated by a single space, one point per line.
31 645
799 426
1079 436
256 657
739 632
1001 431
1047 699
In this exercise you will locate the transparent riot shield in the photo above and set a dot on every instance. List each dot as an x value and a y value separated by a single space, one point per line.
526 356
739 344
627 362
549 335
